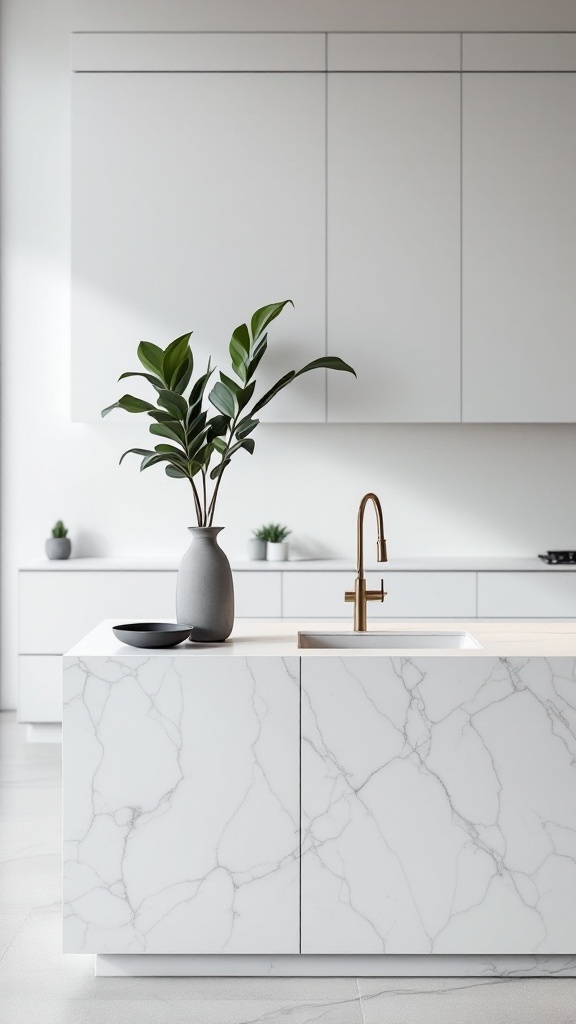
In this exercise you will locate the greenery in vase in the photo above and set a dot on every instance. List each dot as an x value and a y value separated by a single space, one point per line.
275 533
198 446
59 531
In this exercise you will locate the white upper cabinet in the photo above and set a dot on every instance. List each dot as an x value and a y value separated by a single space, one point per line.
519 246
393 243
197 198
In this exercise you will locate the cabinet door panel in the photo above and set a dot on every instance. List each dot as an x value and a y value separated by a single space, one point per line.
181 805
196 199
394 246
519 248
527 595
437 805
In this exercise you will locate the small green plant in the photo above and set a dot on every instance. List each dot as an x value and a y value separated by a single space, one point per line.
275 533
199 444
59 530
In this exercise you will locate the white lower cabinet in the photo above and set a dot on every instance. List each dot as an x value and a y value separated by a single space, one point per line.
527 595
438 811
181 805
409 595
40 688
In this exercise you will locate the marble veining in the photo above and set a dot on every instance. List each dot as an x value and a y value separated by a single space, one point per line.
181 805
438 808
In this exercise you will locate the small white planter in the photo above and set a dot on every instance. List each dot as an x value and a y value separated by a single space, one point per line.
277 552
256 549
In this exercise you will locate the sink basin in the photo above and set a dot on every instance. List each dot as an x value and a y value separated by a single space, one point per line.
387 641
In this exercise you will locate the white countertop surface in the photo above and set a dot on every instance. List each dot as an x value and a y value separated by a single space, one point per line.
424 564
278 638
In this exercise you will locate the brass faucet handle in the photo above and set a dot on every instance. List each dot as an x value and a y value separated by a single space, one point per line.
349 596
376 595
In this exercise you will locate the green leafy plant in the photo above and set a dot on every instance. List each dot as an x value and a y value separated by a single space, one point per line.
199 447
59 530
275 533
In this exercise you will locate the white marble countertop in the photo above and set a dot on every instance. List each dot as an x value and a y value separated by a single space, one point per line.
279 638
423 564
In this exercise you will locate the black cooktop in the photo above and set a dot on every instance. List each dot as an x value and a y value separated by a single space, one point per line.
559 557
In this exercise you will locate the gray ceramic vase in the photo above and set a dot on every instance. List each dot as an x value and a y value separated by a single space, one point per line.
205 591
58 547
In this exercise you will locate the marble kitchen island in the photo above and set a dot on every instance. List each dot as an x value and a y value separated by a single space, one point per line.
256 808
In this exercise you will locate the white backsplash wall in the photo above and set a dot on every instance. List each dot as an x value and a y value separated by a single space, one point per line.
446 490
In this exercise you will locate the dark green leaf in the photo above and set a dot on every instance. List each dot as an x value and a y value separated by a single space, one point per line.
174 404
151 357
195 443
264 316
154 381
176 473
185 376
274 390
174 358
151 460
245 395
257 354
196 427
239 349
230 384
174 453
327 363
219 469
220 444
242 338
223 399
249 444
217 426
165 430
135 451
199 386
129 404
161 416
246 427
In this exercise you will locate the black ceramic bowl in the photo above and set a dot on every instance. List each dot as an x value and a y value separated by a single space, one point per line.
152 634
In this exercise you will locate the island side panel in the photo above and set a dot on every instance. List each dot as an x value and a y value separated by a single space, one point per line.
181 805
438 805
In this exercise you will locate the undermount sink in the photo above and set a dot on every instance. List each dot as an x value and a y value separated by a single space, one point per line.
387 641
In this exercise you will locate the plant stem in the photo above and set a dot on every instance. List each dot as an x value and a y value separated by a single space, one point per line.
212 507
196 502
204 496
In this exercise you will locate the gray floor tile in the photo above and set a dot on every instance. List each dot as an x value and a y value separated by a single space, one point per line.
468 1000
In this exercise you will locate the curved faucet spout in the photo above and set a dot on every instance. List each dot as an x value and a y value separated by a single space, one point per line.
381 551
361 595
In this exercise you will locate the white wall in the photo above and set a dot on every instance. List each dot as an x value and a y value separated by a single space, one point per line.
446 490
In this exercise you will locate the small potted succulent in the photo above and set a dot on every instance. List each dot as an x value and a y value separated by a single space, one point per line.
58 545
257 545
276 544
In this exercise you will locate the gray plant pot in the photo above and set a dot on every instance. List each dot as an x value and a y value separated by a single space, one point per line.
204 590
58 547
256 549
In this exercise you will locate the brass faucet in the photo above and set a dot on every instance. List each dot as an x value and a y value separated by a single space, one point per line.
360 596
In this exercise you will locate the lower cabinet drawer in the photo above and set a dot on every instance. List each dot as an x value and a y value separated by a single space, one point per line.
40 688
409 595
527 595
